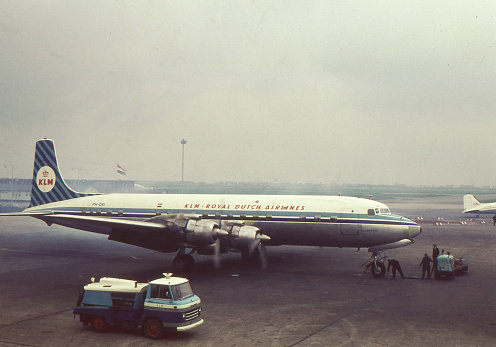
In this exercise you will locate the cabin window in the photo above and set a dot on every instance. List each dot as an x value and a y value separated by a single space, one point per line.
243 215
256 216
268 216
317 217
371 212
204 214
230 215
303 217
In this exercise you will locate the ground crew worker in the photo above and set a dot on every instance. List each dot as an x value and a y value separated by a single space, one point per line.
435 254
426 266
396 266
494 220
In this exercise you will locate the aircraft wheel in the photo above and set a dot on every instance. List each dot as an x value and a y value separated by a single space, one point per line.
99 324
379 270
183 262
153 329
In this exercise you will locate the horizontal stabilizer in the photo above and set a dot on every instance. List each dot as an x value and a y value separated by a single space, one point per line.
397 244
26 214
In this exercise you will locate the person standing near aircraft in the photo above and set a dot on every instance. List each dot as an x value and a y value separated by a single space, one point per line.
426 266
396 267
494 220
435 254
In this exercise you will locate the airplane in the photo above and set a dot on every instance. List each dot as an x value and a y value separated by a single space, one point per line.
215 224
472 205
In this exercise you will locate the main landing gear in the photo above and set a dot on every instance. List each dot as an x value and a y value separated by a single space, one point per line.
183 261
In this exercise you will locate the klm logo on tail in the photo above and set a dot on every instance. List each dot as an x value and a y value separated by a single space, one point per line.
48 185
46 179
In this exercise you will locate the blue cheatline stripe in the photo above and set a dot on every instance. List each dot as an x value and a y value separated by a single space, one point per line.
146 213
45 156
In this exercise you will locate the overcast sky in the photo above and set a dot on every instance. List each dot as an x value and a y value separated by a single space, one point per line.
377 92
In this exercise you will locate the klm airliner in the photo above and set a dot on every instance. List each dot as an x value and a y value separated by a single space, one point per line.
214 224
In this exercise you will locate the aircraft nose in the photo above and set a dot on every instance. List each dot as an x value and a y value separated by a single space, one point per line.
414 230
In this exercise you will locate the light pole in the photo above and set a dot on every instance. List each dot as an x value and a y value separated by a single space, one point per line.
183 142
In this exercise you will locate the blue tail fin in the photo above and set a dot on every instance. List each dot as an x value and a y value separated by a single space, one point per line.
48 185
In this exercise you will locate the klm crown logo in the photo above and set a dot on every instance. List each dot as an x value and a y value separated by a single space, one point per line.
45 179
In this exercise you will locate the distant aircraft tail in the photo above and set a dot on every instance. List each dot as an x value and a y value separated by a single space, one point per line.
48 185
470 202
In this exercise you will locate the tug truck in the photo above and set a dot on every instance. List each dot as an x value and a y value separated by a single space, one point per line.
445 266
166 303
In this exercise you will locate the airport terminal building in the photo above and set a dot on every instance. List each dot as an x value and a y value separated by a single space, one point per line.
17 192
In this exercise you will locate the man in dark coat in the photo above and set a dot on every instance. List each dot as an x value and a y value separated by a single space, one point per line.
435 254
426 266
396 266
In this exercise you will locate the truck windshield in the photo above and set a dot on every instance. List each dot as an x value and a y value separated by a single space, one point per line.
181 291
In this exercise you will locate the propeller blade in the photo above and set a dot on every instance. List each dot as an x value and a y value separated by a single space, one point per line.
217 254
263 256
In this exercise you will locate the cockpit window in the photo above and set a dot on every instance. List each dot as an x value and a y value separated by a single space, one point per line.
382 210
371 212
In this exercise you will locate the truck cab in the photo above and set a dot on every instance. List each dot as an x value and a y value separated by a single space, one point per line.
166 303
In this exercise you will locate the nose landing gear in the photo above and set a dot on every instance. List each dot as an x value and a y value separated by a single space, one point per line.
376 264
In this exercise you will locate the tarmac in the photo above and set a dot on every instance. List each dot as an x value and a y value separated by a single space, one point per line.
305 296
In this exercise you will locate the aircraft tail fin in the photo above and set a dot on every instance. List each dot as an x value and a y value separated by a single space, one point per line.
48 185
470 202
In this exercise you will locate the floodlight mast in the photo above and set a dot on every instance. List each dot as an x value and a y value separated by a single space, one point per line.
183 142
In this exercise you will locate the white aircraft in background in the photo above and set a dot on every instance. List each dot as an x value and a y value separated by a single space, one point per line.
215 224
472 205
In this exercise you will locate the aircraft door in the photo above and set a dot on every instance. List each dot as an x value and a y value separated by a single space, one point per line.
350 234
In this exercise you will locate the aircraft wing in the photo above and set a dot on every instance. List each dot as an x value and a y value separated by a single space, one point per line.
105 222
157 233
164 233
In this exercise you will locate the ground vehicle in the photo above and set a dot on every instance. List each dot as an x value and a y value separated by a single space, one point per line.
445 266
166 303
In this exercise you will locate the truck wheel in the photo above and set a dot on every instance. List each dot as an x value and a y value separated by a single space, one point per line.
99 324
153 329
379 270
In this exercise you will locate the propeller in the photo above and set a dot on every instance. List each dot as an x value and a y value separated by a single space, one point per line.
263 256
258 245
217 254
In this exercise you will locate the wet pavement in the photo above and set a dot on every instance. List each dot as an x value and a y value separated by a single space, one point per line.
305 296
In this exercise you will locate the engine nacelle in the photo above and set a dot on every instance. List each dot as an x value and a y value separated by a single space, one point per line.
201 232
243 236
